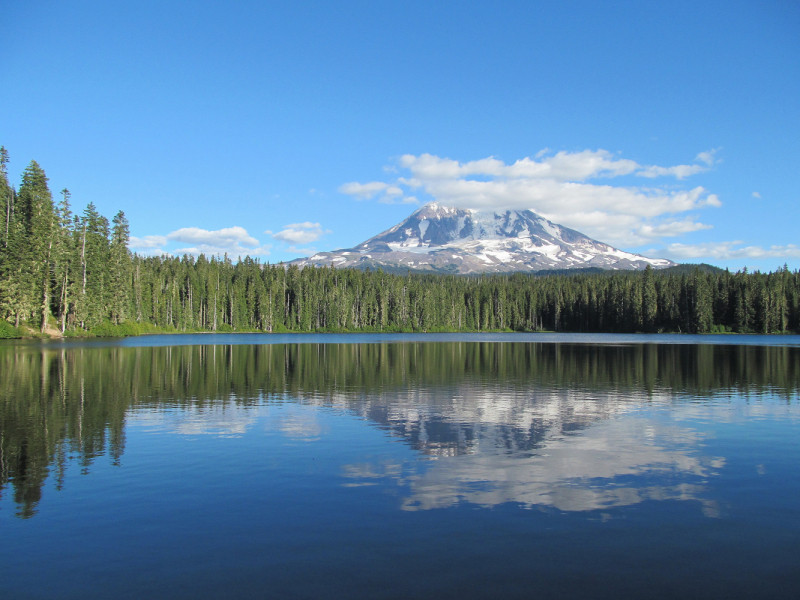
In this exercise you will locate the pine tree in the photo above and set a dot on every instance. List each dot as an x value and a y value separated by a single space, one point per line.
38 220
120 267
64 258
5 195
649 299
9 263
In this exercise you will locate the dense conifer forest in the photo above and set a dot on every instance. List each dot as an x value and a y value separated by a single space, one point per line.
73 273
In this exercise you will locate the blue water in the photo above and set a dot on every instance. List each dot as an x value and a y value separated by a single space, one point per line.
439 468
375 338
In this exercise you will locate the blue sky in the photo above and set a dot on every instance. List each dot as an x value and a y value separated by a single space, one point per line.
274 129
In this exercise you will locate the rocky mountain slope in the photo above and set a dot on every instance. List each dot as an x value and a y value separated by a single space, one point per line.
455 240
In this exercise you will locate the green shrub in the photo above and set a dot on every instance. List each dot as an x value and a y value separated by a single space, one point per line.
108 329
8 331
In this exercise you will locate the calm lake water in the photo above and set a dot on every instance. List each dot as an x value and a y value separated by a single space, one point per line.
401 466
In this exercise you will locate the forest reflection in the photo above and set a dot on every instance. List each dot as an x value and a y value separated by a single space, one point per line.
503 408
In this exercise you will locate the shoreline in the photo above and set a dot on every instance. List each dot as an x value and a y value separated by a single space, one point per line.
47 336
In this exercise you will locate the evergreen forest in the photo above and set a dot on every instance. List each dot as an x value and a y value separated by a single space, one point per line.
71 273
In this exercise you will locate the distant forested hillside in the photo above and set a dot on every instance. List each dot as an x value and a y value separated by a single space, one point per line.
74 272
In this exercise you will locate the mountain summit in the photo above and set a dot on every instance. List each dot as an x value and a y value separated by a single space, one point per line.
445 239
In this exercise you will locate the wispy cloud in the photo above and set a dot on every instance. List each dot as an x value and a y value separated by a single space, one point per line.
363 191
147 242
300 233
729 250
389 193
706 160
558 187
671 229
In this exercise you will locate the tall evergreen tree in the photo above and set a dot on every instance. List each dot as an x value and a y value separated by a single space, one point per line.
36 224
5 195
64 259
649 299
9 259
120 268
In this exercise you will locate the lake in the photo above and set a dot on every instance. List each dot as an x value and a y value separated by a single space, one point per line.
400 466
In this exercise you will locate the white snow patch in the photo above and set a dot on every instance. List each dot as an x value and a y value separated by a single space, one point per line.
512 219
408 247
500 255
551 229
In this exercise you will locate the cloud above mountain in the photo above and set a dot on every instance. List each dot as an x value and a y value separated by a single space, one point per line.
570 188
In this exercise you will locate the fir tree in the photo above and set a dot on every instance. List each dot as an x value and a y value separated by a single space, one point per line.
120 267
36 224
649 299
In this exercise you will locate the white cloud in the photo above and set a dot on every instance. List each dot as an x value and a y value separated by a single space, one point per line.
756 195
558 188
730 250
393 191
219 237
390 193
235 241
301 233
148 242
363 191
679 171
671 229
683 171
564 166
708 157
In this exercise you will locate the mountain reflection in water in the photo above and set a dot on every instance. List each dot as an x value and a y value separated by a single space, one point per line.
573 427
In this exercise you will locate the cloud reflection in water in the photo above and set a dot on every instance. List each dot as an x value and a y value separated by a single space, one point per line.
572 451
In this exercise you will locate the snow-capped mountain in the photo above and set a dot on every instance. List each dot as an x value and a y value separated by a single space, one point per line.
456 240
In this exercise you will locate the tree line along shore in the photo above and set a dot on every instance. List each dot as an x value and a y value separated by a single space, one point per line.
63 273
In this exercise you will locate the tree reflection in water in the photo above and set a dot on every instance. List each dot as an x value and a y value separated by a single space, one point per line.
534 423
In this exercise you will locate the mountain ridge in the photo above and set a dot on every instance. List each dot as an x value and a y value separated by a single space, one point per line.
446 239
